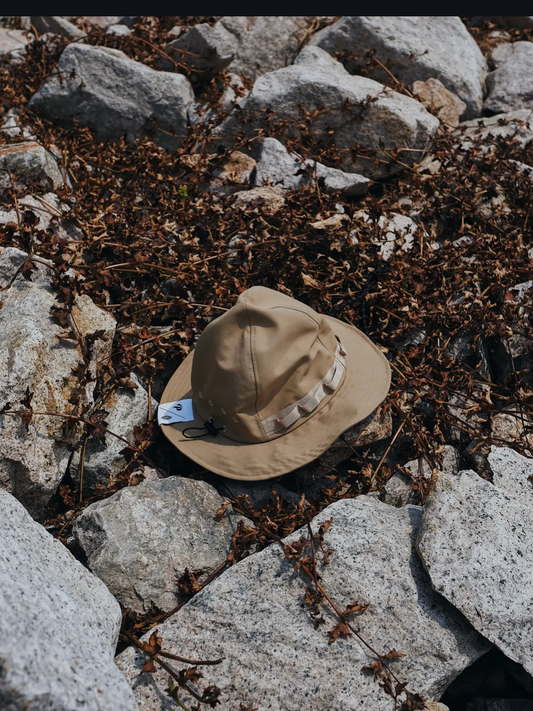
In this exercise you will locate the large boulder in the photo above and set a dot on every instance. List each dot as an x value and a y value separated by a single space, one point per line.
510 85
115 96
59 625
364 121
476 542
275 657
141 540
35 359
412 48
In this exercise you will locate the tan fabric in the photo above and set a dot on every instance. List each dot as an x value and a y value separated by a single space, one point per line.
259 359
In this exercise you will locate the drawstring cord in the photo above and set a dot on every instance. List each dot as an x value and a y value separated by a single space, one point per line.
208 425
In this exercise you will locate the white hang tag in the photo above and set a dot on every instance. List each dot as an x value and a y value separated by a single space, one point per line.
170 412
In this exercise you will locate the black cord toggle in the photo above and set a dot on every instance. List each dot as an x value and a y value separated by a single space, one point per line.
210 428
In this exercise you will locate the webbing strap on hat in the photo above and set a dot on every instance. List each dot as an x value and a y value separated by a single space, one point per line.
291 414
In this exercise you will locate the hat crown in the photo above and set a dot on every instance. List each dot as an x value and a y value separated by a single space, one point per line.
259 358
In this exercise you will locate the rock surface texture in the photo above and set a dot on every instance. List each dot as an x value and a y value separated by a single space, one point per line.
475 542
273 654
439 100
264 43
515 125
103 89
59 625
413 48
361 111
140 540
203 48
29 164
128 408
510 85
33 460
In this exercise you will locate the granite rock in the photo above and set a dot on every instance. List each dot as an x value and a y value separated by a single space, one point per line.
12 41
103 89
57 25
278 167
203 48
30 165
33 358
514 125
269 634
127 408
510 85
59 625
141 540
398 490
412 48
264 43
475 542
360 111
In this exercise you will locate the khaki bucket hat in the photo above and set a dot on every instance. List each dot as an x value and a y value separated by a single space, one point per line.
270 386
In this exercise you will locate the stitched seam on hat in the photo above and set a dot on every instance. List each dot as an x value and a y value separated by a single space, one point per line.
254 370
290 308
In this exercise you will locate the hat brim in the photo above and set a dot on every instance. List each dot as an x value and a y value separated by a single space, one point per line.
364 386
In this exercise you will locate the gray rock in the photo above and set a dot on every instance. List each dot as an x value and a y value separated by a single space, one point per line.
205 49
58 25
500 705
127 408
475 542
279 168
29 165
413 48
12 41
510 85
398 491
360 111
59 625
106 21
439 100
11 128
103 89
514 125
34 357
264 43
140 540
510 472
118 30
268 633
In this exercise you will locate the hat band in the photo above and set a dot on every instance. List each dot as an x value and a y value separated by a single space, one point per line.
291 414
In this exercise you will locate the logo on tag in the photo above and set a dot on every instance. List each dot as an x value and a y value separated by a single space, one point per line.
170 412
